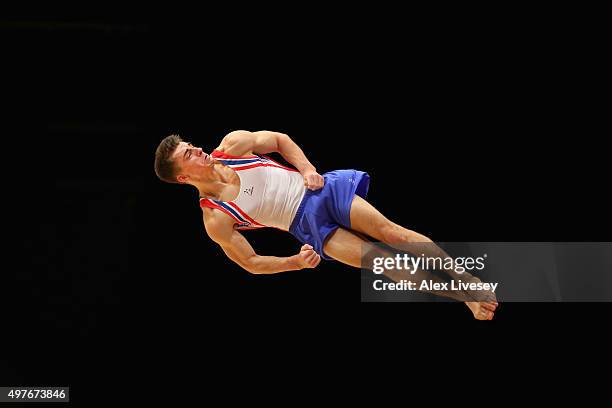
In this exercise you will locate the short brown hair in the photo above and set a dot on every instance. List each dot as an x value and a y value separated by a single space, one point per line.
164 165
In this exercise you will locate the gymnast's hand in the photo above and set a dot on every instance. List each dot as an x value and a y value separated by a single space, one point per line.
307 258
313 180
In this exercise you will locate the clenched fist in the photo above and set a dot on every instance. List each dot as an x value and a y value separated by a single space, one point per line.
307 258
313 180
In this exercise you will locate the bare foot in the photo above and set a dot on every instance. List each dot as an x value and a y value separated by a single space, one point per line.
482 310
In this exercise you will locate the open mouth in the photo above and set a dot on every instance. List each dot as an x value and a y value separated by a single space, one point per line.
208 160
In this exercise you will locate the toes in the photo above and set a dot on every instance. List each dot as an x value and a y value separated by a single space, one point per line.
489 306
485 315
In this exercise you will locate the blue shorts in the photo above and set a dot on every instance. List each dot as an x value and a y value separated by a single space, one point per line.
321 212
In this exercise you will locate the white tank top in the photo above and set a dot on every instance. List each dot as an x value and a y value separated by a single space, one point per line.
269 196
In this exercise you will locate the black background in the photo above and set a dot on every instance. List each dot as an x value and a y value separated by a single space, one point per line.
468 135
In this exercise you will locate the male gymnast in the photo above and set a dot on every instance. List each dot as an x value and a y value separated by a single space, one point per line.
240 189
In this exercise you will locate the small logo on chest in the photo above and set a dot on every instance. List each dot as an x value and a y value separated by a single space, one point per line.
249 191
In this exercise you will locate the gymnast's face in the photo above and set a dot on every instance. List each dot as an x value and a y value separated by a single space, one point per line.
191 161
